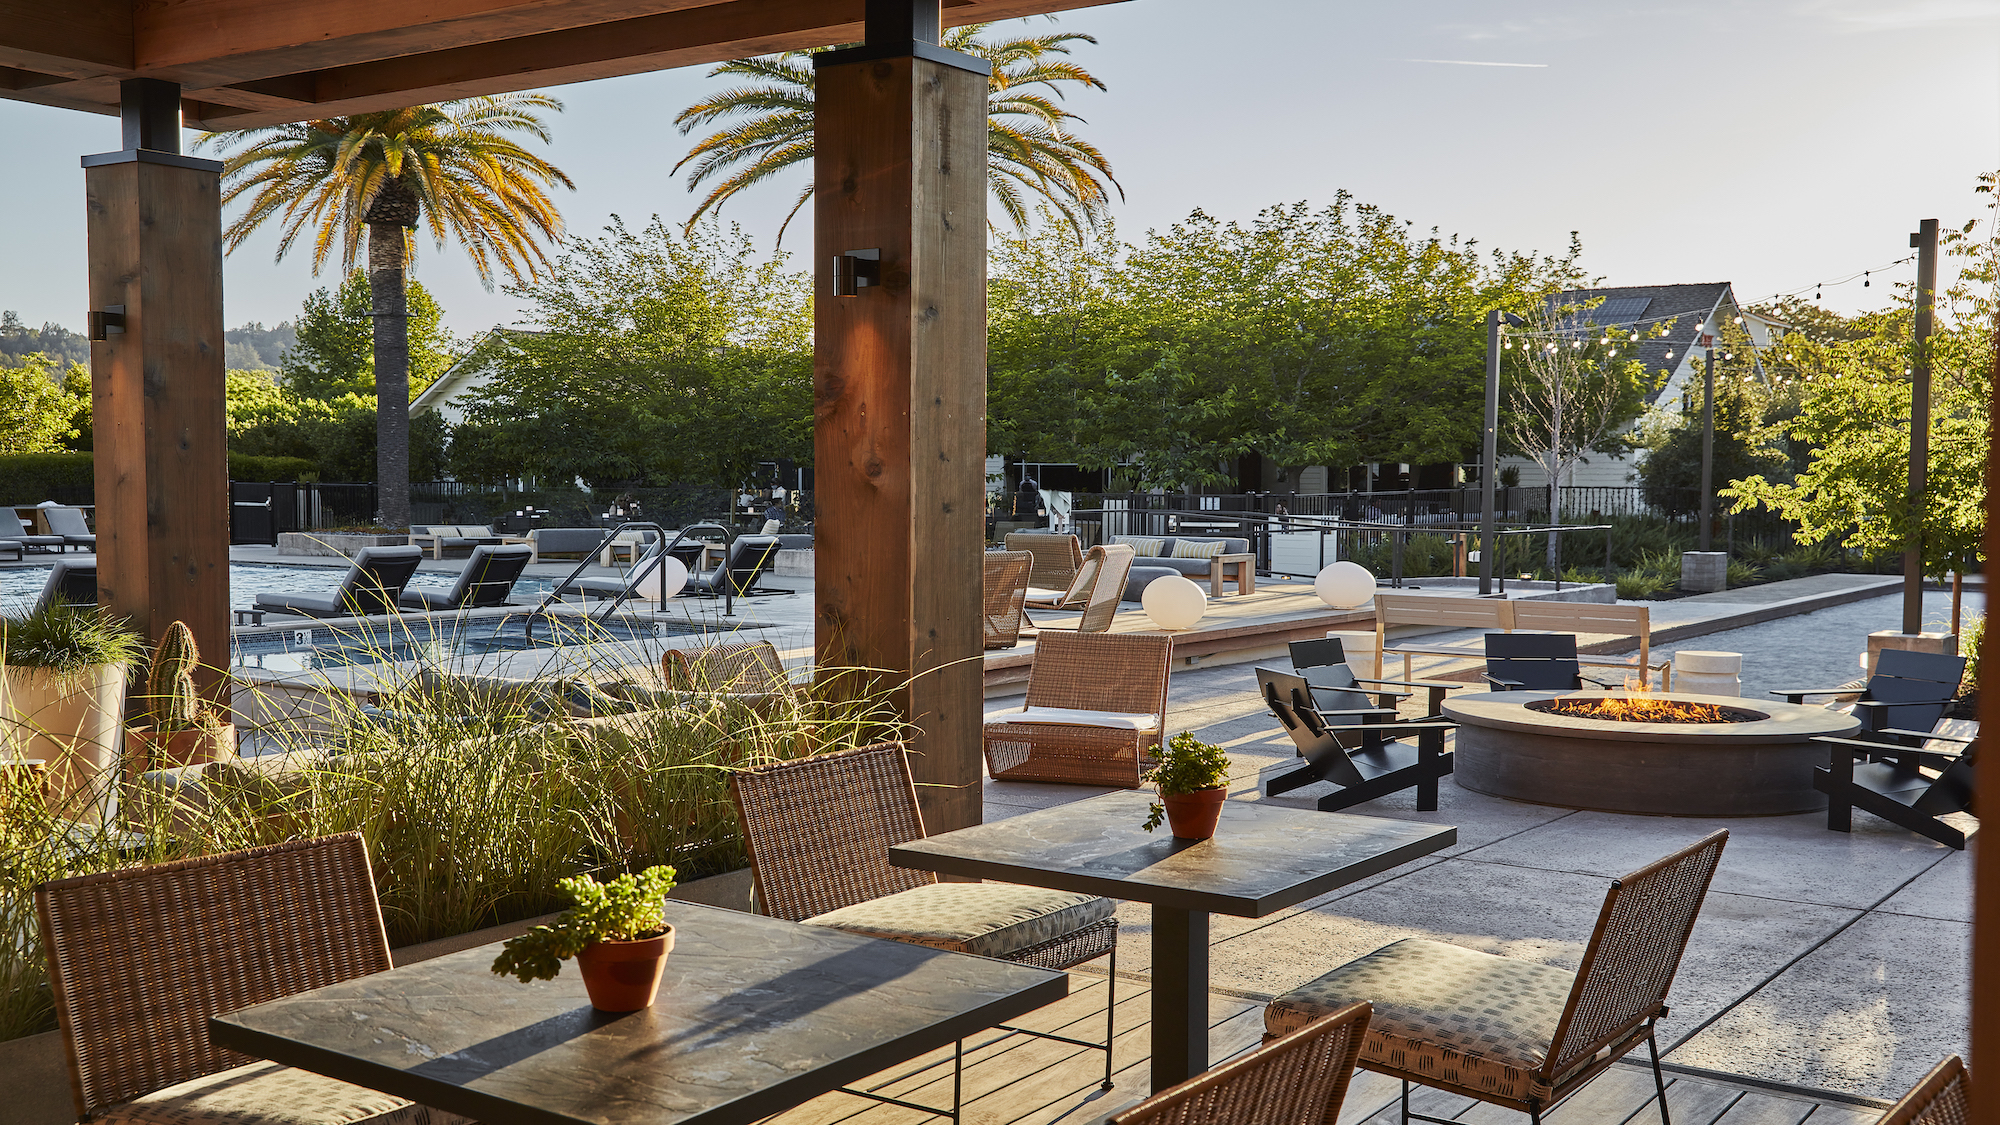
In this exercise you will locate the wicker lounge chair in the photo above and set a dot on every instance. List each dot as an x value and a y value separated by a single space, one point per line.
819 830
1097 702
1914 786
1909 690
1943 1097
70 583
1353 742
372 586
14 531
1097 589
1535 662
1006 587
751 669
70 524
1057 557
140 959
487 579
1300 1079
1516 1033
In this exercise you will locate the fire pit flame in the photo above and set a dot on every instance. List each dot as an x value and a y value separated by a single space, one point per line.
1642 709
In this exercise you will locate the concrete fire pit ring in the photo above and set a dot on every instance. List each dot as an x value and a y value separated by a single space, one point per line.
1759 767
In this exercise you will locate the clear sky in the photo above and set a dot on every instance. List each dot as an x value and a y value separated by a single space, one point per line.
1772 143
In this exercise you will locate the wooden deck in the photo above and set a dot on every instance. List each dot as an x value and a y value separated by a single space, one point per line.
1021 1080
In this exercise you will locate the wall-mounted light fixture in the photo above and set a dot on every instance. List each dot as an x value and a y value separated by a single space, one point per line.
855 269
105 321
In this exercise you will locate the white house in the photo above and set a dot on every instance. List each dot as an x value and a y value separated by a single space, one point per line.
471 372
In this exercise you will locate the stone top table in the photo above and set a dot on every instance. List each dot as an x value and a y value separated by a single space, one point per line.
755 1015
1263 858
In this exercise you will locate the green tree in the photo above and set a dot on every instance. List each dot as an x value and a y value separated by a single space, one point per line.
38 413
334 354
1030 152
657 359
455 166
1749 437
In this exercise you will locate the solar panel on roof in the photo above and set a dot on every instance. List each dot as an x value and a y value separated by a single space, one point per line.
1620 310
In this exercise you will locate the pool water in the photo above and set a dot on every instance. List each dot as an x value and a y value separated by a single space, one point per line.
20 586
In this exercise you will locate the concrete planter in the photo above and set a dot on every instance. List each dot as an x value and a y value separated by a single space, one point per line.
327 544
75 725
38 1075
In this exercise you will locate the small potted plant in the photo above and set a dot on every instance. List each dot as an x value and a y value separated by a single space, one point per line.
179 728
617 931
64 667
1192 778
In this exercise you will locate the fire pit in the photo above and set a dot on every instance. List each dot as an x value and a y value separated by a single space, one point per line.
1663 754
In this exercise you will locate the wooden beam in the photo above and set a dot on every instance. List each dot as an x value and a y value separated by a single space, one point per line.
70 38
154 226
899 380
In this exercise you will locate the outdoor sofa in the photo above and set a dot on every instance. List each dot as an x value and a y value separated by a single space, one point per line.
576 542
439 538
1217 560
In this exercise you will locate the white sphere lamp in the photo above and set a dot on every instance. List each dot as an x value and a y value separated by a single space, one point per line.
1174 603
1344 585
664 580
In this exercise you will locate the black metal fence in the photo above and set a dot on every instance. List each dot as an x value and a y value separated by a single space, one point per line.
456 502
260 510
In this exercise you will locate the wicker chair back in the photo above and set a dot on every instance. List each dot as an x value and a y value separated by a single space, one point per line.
1057 557
1006 588
1300 1079
752 668
140 959
1124 672
1634 953
1944 1097
1107 587
819 829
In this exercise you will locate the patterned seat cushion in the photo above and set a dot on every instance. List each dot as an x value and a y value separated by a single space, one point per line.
990 919
1199 548
264 1093
1445 1015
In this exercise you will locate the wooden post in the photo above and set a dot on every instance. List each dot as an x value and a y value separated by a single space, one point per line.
899 378
155 247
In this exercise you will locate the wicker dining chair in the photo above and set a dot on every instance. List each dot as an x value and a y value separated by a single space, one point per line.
1300 1079
819 830
1057 557
1944 1097
1006 587
140 959
1516 1033
1097 702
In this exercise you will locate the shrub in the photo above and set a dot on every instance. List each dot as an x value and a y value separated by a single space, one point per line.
245 466
30 478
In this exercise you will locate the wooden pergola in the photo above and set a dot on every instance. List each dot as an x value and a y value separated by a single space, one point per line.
899 369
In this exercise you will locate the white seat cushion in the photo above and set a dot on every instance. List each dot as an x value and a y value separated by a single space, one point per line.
1037 594
1076 717
989 919
264 1093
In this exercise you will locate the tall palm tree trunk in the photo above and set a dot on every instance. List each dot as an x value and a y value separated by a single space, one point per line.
393 210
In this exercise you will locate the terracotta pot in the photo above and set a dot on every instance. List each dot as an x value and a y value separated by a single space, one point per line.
1192 816
158 750
624 976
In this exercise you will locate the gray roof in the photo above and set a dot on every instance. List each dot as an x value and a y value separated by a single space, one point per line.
1687 305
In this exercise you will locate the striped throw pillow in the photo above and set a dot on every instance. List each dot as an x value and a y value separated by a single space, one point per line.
1140 546
1190 549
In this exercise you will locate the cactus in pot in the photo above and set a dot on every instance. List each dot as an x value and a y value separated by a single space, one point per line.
179 728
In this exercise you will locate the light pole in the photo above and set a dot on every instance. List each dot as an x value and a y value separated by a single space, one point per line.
1707 449
1925 240
1489 457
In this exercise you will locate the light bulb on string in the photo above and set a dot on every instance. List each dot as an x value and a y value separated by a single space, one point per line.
1635 337
1864 279
1506 345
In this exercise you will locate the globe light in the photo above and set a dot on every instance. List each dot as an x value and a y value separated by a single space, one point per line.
1174 603
1344 585
664 580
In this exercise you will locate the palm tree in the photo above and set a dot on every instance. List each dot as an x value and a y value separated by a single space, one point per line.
1028 149
452 165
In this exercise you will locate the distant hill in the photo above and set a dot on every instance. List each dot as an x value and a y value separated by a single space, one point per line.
17 340
254 347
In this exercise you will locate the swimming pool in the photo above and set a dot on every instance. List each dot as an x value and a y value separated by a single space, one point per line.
20 586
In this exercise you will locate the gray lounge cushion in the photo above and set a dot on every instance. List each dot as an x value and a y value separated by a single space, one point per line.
988 919
1142 576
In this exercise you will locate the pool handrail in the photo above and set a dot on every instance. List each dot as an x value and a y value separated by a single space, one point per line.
659 547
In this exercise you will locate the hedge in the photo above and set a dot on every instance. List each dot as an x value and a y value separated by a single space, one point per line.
243 466
30 478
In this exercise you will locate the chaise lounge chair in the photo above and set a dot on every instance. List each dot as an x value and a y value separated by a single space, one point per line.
371 587
749 557
69 523
69 583
486 581
13 530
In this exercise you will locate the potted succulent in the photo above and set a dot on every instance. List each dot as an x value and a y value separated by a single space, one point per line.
179 728
616 931
65 669
1192 778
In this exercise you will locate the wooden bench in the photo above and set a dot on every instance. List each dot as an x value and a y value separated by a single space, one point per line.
1493 615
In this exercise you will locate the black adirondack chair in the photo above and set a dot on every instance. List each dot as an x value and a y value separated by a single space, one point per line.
1535 662
1912 786
1347 741
1910 691
1309 657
